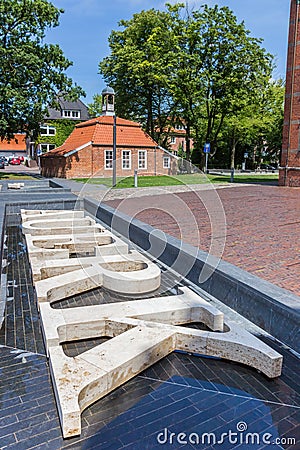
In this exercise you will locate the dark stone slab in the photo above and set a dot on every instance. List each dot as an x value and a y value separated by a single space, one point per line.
182 393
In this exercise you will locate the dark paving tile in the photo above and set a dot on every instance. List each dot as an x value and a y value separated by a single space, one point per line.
183 393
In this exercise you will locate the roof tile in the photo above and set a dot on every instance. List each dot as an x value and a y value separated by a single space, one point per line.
17 143
99 131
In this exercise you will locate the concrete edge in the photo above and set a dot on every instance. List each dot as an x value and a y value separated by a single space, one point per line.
275 310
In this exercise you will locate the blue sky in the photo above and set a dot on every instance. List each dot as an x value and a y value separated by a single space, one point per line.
86 24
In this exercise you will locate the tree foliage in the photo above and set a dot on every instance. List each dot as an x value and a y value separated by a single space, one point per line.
139 67
255 129
227 67
31 72
95 108
202 66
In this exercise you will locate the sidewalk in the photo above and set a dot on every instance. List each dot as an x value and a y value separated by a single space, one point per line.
101 192
262 232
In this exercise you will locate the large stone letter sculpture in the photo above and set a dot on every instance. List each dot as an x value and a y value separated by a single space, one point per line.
141 332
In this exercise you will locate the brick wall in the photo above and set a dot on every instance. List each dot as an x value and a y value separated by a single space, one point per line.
90 161
179 143
53 167
290 157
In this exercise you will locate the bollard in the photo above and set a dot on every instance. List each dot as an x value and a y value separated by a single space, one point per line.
135 178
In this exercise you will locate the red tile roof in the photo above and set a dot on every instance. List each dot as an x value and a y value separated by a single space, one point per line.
99 131
17 143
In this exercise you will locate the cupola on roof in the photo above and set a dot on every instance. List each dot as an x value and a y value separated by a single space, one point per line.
108 101
108 90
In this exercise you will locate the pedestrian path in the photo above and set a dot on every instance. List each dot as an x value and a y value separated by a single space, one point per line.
257 225
102 192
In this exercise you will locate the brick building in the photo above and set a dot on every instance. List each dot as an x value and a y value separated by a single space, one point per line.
289 173
88 151
16 146
177 139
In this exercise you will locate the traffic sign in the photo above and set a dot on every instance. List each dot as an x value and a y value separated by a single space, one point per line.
206 148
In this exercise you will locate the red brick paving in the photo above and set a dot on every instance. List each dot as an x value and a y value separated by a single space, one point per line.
262 232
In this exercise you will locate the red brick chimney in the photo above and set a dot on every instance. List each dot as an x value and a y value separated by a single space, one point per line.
289 173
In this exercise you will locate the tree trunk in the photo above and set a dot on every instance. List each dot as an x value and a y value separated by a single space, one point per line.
188 142
149 124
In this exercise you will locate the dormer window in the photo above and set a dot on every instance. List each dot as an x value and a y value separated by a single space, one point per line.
71 114
179 127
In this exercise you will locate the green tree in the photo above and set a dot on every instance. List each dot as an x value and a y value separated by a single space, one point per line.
31 72
256 127
95 108
221 69
271 123
201 66
139 67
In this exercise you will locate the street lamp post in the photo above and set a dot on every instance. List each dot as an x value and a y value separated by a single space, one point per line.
114 178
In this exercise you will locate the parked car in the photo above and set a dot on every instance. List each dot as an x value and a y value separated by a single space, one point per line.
4 160
267 167
15 161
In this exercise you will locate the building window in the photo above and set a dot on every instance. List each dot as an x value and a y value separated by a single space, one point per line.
48 130
126 159
173 140
108 159
179 127
45 148
166 162
142 163
73 114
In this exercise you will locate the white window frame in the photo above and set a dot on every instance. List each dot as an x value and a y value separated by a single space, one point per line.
144 160
172 140
48 128
124 161
166 162
45 147
71 113
108 159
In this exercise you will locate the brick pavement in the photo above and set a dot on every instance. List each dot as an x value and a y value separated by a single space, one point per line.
259 228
